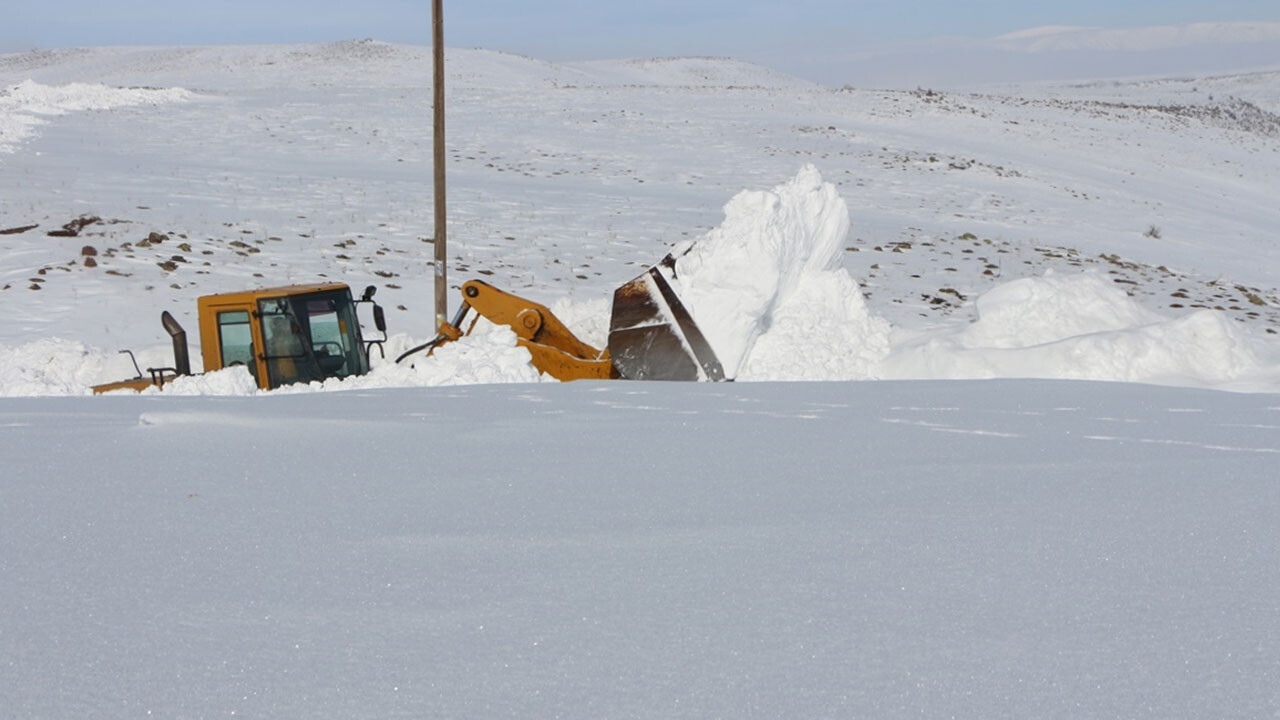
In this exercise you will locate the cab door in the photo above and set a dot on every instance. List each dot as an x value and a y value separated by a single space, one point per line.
230 335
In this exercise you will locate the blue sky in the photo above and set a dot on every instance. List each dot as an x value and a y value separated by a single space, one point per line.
785 35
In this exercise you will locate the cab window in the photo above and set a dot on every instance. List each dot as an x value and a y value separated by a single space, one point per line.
235 338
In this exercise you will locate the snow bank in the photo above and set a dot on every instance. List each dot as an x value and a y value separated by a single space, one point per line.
743 276
1038 310
489 355
821 331
229 381
49 366
767 289
1083 327
54 366
22 104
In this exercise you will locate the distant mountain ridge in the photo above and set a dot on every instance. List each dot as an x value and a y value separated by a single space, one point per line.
1140 39
1055 53
383 63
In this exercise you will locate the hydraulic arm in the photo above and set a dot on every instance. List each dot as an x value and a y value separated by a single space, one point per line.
555 349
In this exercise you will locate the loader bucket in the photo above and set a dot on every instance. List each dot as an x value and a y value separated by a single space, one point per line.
651 334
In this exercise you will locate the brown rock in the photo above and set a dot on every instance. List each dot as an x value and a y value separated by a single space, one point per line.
74 227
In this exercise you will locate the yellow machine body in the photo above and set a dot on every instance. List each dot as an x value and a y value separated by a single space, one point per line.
282 335
234 330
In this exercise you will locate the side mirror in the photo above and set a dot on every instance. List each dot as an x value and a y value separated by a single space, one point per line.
379 318
368 293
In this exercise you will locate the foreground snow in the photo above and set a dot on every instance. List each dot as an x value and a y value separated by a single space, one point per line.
586 550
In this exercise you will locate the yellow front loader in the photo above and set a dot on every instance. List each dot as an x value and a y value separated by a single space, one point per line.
308 333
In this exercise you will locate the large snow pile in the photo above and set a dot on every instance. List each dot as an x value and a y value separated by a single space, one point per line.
1034 311
50 366
58 366
22 105
770 276
1084 327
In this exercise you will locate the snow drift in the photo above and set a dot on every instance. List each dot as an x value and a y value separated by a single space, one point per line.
773 267
1084 327
768 291
22 105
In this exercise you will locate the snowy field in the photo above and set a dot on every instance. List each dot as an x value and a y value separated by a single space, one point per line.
949 538
647 550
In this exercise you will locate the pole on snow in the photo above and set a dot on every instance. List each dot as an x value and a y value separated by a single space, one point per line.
437 103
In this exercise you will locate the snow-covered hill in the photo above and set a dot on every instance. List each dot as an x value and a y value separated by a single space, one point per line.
218 167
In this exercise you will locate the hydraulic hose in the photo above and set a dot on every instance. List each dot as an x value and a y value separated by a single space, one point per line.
438 339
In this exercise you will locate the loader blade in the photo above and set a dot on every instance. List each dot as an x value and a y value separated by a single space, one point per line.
653 337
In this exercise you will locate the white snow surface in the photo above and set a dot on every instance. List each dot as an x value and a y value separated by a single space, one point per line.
644 550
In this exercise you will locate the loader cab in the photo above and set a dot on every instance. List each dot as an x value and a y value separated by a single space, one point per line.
298 333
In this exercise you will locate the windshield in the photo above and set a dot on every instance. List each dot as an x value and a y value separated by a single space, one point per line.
311 337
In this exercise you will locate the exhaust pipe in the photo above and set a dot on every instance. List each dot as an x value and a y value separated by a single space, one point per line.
181 356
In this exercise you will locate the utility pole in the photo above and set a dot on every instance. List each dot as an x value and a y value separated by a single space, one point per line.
437 103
